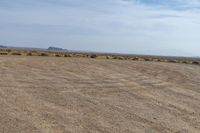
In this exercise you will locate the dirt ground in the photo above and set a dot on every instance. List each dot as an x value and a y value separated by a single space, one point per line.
80 95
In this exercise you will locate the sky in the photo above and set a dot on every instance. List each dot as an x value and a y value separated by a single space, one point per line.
158 27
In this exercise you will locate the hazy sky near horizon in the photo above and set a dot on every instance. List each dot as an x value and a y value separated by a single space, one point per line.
167 27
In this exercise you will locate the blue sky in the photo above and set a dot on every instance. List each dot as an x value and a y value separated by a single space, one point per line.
165 27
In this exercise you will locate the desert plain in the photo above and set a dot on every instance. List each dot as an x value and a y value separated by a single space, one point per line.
83 95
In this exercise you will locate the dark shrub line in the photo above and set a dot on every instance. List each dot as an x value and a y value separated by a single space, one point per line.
117 57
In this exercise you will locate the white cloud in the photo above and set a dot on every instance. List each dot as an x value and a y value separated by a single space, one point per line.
111 26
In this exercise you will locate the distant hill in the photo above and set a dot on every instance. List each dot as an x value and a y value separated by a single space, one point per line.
55 49
1 46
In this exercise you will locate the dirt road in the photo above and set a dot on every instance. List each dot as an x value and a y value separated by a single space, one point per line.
80 95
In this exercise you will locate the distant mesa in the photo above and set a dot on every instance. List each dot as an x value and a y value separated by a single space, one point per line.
1 46
55 49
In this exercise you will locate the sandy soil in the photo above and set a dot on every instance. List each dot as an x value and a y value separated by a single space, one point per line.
80 95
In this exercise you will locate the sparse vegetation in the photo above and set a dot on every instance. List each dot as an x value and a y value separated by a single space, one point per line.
135 58
148 59
8 50
195 62
99 56
43 54
93 56
67 55
58 55
29 54
118 57
108 57
173 61
3 53
16 53
185 62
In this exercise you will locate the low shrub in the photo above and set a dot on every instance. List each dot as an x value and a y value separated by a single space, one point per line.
67 55
147 59
141 59
93 56
196 62
173 61
16 53
185 62
29 54
158 60
8 50
135 58
58 55
108 57
3 53
114 57
44 54
120 58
